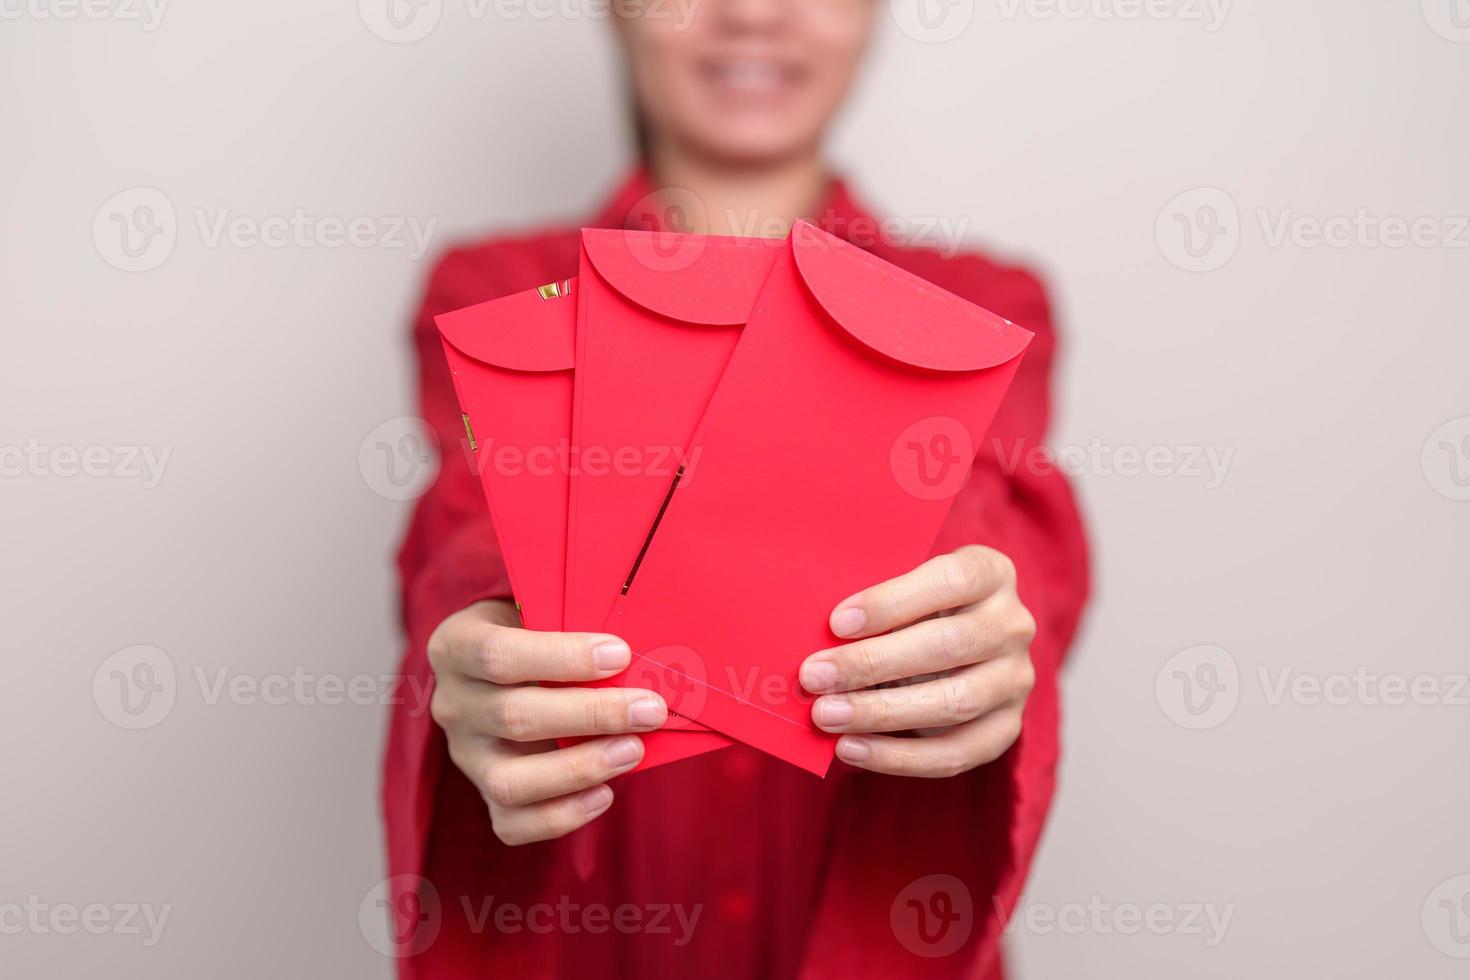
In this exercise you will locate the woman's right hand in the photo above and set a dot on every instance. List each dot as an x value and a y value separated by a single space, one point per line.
502 726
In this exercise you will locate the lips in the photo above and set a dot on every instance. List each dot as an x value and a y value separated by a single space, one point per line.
752 78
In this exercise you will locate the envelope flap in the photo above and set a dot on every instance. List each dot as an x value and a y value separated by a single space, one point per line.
508 333
701 279
898 314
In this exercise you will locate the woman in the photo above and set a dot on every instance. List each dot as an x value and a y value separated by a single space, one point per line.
906 858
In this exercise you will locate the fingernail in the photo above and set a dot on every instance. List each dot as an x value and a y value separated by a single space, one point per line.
851 749
833 712
647 713
818 675
848 621
611 655
595 800
623 752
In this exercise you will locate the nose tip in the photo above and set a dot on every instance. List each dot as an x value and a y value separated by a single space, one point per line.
752 14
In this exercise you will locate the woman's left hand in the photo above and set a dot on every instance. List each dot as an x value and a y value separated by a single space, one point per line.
950 643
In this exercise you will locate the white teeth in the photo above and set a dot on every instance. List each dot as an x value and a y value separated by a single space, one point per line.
755 76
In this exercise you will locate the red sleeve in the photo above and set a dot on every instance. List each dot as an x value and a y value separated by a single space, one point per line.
1026 509
1023 504
967 843
448 560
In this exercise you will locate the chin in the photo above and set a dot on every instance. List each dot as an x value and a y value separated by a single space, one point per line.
748 146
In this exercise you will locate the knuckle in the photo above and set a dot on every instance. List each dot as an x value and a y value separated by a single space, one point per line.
1024 628
883 605
446 709
949 762
511 718
558 821
606 712
463 760
877 712
583 769
1005 737
1026 676
508 835
902 760
962 701
987 633
502 788
987 692
998 561
952 640
493 655
977 554
956 577
865 665
558 657
437 649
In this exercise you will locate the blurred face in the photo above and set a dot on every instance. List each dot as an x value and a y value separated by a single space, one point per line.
742 81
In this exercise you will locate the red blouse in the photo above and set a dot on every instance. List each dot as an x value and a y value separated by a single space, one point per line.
731 864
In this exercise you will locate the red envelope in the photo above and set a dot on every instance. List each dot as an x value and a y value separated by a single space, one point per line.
660 315
848 418
512 360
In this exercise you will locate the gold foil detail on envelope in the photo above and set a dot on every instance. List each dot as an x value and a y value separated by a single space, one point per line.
554 290
470 433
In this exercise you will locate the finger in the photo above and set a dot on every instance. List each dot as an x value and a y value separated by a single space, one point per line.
488 651
945 701
530 713
944 582
956 750
520 780
927 647
549 818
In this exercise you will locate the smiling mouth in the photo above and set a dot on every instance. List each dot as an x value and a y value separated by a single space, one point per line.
751 78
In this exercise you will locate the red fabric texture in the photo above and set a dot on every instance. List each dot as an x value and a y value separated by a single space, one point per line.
732 865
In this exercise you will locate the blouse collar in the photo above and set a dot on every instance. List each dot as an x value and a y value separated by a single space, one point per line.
635 204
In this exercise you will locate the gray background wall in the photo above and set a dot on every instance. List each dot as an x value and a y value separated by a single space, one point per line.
1234 745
